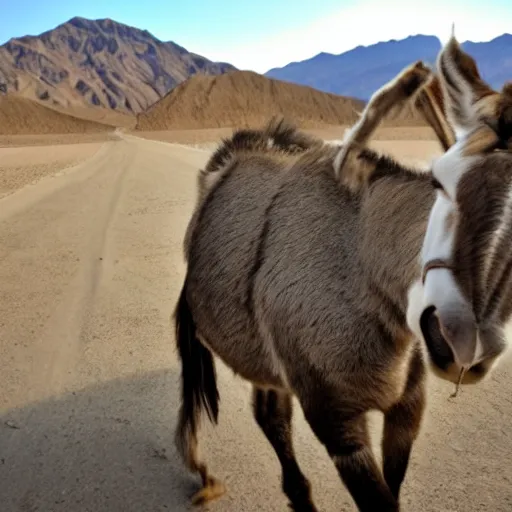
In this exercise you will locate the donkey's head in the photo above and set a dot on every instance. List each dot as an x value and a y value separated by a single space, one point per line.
464 298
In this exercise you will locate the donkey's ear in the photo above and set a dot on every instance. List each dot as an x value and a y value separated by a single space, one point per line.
392 96
431 105
463 87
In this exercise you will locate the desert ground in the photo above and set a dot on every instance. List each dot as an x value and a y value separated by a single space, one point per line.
91 265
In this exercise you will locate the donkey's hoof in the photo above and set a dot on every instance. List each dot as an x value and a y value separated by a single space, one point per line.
212 490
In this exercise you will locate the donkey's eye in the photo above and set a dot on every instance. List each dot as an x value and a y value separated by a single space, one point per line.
436 184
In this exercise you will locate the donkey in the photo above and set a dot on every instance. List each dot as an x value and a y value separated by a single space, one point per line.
337 275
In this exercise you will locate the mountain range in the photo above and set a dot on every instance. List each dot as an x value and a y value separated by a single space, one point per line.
363 70
102 63
99 63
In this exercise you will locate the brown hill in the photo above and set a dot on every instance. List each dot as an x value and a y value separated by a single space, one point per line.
98 63
19 116
245 98
98 115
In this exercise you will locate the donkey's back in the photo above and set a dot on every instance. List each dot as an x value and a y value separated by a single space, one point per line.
268 222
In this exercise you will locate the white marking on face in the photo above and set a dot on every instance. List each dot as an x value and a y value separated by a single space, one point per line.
439 241
439 238
450 167
270 143
440 288
497 238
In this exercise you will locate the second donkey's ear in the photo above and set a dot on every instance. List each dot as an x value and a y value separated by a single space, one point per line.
468 99
430 103
392 96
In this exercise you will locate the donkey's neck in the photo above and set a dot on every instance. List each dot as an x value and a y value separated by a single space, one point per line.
394 218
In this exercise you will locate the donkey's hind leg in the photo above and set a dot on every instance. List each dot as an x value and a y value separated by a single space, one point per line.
342 429
401 425
273 413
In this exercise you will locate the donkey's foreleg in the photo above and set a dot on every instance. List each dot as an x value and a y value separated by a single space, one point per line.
344 433
401 425
273 413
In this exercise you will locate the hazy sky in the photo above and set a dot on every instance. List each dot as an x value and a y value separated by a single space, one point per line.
261 34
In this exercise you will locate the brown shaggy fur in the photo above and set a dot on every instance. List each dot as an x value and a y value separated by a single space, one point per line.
299 267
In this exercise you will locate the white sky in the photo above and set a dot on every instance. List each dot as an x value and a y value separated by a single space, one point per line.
368 22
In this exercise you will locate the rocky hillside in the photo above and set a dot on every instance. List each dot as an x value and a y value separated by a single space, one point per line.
244 98
363 70
20 116
101 63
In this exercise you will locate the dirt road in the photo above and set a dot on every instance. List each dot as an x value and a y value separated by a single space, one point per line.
90 267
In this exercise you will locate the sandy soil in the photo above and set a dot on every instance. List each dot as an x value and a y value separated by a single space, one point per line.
8 141
414 145
207 138
91 265
21 166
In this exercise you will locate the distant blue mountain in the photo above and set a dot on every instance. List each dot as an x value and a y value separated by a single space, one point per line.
362 70
494 59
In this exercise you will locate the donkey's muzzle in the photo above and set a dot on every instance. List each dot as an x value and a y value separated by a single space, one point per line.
440 352
450 334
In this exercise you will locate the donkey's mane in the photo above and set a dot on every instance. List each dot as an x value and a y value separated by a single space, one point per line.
385 166
278 136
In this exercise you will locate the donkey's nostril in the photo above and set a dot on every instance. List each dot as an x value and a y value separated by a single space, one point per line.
439 350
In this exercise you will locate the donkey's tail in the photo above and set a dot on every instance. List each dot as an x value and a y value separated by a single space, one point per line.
198 392
198 376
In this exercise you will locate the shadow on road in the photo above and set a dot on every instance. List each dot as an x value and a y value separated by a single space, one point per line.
106 448
109 447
